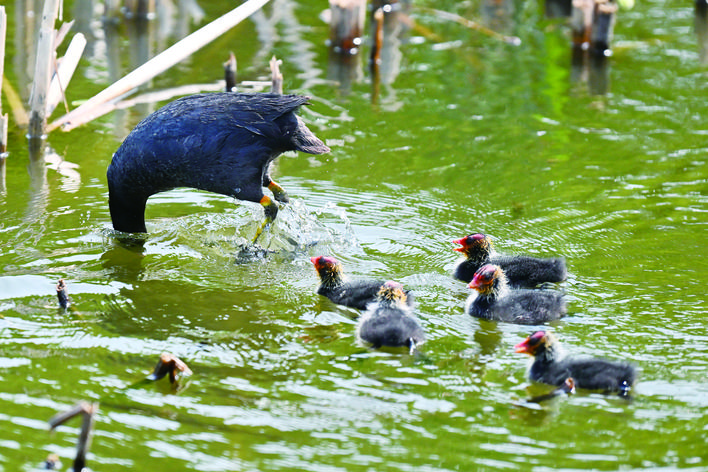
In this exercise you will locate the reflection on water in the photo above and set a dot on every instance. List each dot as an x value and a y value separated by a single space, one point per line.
473 135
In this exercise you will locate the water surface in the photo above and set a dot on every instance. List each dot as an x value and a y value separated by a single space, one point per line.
466 134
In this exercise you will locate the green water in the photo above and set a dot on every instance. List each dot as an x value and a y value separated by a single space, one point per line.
470 135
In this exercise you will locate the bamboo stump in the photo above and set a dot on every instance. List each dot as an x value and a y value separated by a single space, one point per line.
43 70
346 25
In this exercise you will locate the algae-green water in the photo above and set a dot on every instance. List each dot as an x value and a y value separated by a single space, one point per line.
461 133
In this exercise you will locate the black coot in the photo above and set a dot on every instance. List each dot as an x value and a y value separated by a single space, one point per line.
521 271
389 321
550 366
218 142
354 294
495 301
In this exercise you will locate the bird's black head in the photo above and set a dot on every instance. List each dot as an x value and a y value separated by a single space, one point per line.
488 279
536 343
328 268
476 246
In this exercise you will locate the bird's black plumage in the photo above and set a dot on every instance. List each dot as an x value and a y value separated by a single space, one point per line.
389 321
521 271
354 294
218 142
550 366
495 301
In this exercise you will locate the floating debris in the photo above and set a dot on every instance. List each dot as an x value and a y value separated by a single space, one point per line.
88 410
169 364
62 296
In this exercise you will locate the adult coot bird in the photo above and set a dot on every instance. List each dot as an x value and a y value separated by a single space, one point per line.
218 142
550 366
521 271
354 294
495 301
389 321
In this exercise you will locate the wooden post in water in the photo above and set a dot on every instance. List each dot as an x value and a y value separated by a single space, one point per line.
603 24
43 70
581 23
346 25
3 118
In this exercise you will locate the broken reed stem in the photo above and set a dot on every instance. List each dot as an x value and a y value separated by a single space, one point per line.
43 70
62 296
65 72
158 64
87 410
3 118
513 40
230 73
276 76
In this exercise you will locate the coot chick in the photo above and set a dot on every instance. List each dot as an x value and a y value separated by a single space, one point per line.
389 321
218 142
354 294
521 271
495 301
550 366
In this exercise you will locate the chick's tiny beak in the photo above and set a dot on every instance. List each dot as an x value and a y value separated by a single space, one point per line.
476 282
461 242
522 347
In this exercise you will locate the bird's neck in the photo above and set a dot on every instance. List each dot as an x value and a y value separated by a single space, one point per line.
331 279
550 354
127 211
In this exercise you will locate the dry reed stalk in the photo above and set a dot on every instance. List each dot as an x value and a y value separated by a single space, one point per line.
158 64
276 76
43 70
65 72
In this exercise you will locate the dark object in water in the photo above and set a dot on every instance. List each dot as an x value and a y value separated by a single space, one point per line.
354 294
389 321
521 271
603 25
169 364
550 366
496 302
52 462
218 142
88 410
62 295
